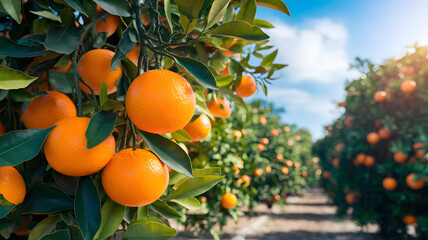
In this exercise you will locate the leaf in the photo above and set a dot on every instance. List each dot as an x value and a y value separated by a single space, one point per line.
218 9
168 152
3 94
190 203
262 23
44 227
225 80
143 212
181 136
124 47
62 81
274 4
239 29
150 229
168 11
48 15
164 210
197 71
187 24
103 93
115 7
268 60
5 206
45 198
87 207
112 215
189 8
112 105
247 12
58 235
13 8
9 48
14 79
100 128
212 171
76 5
19 146
62 39
195 186
22 95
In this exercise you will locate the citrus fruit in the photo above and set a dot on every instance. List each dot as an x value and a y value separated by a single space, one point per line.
369 161
246 179
384 133
409 219
361 158
237 134
408 86
284 170
268 169
348 121
350 199
406 71
400 157
288 163
335 163
133 54
279 157
225 71
222 108
12 185
276 197
199 129
65 148
373 138
160 101
247 87
46 110
264 141
379 96
94 68
229 200
135 178
415 185
257 172
260 147
274 132
203 199
389 183
244 132
108 25
262 120
63 69
304 174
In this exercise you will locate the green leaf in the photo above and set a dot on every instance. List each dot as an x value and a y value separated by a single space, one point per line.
181 136
13 8
48 15
239 29
168 11
45 198
268 60
124 47
190 8
19 146
62 81
212 171
187 24
149 229
100 128
9 48
274 4
87 207
143 212
190 203
58 235
115 7
103 93
22 95
129 68
44 227
76 5
112 215
195 186
247 12
3 94
164 210
197 71
14 79
62 39
5 206
112 105
218 9
225 80
262 23
168 152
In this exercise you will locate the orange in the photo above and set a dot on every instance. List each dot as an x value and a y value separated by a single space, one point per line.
225 71
203 199
400 157
239 181
2 129
199 129
133 54
373 138
408 86
229 200
222 108
326 175
304 174
135 178
260 147
244 132
420 154
348 121
264 141
415 185
22 230
418 145
228 52
335 163
407 70
276 197
46 110
341 104
94 67
237 134
369 161
384 133
262 120
389 183
350 199
360 159
409 219
268 169
279 157
297 165
257 172
247 87
63 69
274 132
12 185
160 101
288 163
379 96
284 170
287 129
108 25
246 179
65 148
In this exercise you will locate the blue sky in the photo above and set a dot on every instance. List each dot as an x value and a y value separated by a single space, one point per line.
321 39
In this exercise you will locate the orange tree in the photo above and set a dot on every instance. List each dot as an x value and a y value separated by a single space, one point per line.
96 98
373 157
261 158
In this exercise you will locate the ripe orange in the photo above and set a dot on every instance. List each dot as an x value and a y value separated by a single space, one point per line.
349 199
260 147
400 157
2 129
304 174
262 120
369 161
415 185
268 169
225 71
257 172
247 87
288 163
418 145
420 154
135 178
384 133
222 108
409 219
160 101
379 96
389 183
284 170
326 175
63 69
239 181
203 199
237 134
406 71
133 54
108 25
246 179
297 165
373 138
65 148
228 52
276 197
199 129
360 159
336 163
12 185
244 132
264 141
229 200
46 110
94 67
348 121
279 157
341 104
408 86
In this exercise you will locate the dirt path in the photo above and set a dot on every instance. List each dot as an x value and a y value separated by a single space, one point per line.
304 218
